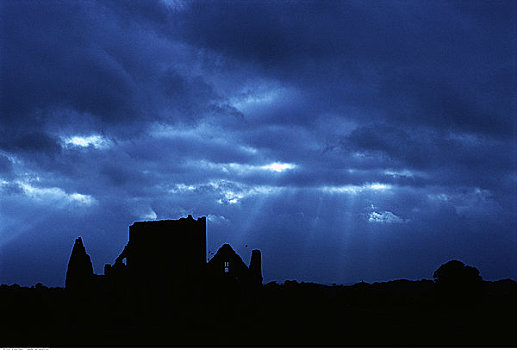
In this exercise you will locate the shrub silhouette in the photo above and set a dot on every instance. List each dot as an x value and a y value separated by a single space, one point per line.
456 274
457 283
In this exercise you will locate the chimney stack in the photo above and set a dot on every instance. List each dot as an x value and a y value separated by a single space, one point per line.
256 266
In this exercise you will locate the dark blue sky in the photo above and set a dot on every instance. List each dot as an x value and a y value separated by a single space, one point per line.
348 140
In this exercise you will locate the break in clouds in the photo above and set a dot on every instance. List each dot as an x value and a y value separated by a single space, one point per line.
347 140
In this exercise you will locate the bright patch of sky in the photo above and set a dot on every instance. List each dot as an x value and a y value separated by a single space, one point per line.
55 194
231 197
279 167
180 130
249 149
399 173
82 199
96 141
231 192
182 188
227 192
150 215
353 189
385 217
217 219
257 98
239 191
439 197
276 167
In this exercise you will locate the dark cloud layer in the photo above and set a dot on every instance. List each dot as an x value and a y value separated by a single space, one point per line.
348 140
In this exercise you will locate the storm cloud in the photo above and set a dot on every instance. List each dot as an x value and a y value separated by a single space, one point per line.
347 140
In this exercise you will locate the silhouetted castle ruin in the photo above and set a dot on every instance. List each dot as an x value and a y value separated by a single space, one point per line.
162 292
162 260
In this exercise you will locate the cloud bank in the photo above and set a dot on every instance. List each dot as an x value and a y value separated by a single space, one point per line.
347 140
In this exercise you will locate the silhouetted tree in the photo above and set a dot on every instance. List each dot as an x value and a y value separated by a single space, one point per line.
458 283
455 273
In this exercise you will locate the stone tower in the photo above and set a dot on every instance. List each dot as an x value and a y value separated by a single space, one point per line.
256 266
168 254
79 274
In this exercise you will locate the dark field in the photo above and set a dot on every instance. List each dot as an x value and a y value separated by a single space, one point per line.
397 313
